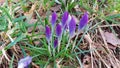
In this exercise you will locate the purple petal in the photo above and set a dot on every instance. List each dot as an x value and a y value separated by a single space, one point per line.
48 33
55 43
83 21
24 62
72 27
58 30
54 18
65 18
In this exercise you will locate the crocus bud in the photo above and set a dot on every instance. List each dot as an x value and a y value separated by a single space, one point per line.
48 33
83 21
65 18
24 62
58 30
53 19
72 27
55 43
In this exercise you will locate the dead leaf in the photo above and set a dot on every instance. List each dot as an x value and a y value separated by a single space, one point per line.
58 62
87 37
30 13
32 21
77 8
111 38
36 66
56 8
87 62
42 12
50 65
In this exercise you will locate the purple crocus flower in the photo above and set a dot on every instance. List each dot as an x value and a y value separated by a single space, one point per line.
55 43
72 27
54 18
65 18
48 33
24 62
83 21
58 30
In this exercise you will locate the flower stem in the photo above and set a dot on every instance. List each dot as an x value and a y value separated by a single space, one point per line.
53 52
59 40
52 39
68 43
49 49
59 45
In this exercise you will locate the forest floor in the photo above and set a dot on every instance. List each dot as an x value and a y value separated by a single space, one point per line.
22 33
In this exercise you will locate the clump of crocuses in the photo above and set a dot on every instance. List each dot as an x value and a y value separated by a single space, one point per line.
66 27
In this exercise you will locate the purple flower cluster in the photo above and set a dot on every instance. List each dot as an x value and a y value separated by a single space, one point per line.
66 21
